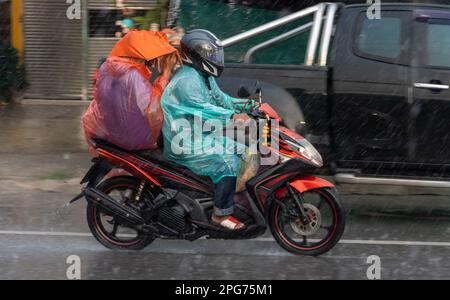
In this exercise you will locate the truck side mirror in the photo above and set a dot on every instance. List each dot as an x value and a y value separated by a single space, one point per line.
243 92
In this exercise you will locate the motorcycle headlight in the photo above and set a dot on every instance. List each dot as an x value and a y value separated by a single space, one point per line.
307 150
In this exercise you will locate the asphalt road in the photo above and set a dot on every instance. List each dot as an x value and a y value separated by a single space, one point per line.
42 156
38 234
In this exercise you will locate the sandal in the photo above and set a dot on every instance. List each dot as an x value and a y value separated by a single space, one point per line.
230 223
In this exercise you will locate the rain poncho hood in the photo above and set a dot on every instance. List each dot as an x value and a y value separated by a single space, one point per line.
186 97
143 44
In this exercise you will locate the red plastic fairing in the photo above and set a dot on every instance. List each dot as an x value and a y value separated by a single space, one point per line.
265 107
128 166
310 183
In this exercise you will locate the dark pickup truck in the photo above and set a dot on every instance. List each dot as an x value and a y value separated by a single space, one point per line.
372 94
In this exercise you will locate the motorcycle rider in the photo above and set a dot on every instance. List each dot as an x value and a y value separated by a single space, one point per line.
192 91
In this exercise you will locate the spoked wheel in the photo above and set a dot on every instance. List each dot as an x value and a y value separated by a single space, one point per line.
109 231
320 235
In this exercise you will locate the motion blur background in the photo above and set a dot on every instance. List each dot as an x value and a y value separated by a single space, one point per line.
60 55
48 58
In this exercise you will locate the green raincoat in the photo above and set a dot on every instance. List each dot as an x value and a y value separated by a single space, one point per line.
192 112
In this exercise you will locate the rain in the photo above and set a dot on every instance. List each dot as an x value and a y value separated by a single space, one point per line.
368 92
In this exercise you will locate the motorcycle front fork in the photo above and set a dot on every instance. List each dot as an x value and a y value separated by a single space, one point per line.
300 203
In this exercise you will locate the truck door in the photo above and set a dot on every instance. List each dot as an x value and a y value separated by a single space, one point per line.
430 75
370 88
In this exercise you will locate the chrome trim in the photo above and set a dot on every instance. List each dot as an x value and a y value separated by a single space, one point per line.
314 35
352 179
326 35
431 86
293 144
271 25
318 11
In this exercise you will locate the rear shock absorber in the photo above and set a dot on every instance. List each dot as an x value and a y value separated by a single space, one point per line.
141 188
266 133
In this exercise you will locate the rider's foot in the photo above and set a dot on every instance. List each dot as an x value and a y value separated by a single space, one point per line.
228 222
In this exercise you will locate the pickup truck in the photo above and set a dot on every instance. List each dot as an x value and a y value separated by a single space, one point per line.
372 93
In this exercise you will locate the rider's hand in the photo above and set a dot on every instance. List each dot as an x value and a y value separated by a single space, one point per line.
243 117
167 65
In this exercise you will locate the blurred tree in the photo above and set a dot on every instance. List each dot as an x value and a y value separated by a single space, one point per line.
12 73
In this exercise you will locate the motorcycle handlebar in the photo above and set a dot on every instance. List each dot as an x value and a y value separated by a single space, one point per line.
257 114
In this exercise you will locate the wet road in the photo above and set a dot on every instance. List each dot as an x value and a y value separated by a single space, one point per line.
37 235
42 158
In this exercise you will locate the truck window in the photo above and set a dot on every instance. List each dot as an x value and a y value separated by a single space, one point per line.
227 19
289 52
381 39
437 43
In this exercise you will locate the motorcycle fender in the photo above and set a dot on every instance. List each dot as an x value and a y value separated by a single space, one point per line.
97 172
310 183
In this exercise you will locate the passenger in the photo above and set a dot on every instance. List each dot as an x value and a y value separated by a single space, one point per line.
126 108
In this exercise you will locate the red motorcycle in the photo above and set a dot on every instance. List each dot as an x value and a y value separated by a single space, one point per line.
160 199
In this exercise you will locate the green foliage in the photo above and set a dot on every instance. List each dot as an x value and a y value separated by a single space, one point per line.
12 72
144 22
157 15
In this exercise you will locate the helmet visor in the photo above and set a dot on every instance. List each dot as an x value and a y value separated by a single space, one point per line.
212 53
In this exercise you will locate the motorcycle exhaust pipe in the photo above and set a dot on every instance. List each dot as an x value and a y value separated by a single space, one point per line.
113 208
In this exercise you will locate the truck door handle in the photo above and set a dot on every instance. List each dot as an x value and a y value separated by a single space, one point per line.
431 86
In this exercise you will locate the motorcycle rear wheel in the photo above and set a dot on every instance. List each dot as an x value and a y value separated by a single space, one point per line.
98 221
308 240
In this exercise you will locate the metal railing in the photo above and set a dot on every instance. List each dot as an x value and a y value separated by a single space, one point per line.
327 33
285 36
316 26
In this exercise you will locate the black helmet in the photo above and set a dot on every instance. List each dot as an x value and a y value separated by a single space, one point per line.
203 50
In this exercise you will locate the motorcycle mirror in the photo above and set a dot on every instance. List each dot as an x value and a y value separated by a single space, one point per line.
257 87
243 92
258 91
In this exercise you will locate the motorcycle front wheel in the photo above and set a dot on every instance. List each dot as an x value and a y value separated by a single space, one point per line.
105 228
324 231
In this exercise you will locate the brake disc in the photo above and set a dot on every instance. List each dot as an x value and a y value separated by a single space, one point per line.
313 226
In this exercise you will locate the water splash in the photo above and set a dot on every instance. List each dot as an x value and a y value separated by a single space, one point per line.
62 211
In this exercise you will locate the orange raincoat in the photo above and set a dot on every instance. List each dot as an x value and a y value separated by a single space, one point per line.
126 108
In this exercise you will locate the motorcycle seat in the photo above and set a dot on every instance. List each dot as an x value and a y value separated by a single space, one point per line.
156 156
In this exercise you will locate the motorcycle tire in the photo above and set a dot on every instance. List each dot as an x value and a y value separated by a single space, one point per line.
94 213
322 246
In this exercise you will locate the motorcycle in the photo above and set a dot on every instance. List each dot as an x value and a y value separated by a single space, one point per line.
159 199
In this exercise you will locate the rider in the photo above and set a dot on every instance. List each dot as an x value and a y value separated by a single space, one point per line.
192 93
